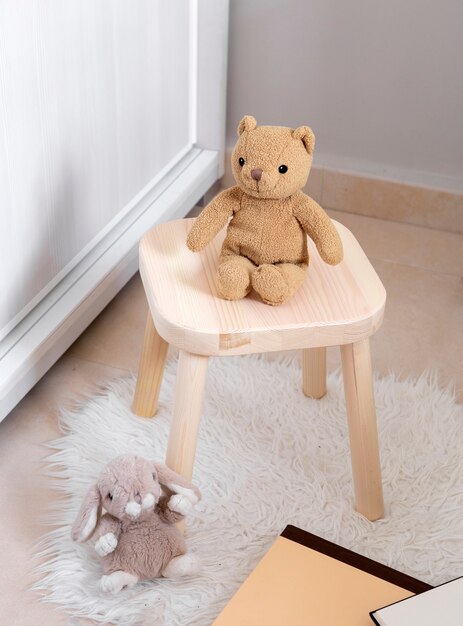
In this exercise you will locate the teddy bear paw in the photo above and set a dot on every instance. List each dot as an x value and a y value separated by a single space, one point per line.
270 284
332 255
233 281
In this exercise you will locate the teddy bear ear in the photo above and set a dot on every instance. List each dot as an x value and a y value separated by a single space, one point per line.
306 135
247 123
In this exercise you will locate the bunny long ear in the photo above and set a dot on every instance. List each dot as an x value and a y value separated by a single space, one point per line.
176 483
88 515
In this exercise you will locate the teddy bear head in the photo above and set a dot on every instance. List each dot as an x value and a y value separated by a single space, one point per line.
272 161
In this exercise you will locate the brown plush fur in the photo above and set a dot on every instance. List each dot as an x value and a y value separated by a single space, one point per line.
137 536
268 216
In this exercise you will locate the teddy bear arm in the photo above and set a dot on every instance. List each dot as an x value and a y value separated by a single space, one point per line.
213 218
320 228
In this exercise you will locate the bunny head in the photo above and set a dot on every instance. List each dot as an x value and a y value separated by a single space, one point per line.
128 488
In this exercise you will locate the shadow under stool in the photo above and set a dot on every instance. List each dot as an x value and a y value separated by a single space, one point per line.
336 306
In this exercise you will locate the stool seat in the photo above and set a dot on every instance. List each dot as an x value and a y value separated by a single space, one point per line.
341 305
336 305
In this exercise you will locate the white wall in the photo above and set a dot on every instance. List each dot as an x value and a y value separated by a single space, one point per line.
112 120
94 103
380 82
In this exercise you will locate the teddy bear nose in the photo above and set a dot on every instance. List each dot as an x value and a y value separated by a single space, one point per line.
256 174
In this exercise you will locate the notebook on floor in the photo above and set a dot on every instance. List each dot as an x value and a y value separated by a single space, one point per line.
441 605
306 580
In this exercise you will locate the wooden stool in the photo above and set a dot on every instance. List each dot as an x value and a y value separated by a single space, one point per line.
341 305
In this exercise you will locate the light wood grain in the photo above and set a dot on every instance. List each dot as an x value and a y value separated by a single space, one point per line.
314 372
150 371
189 388
335 305
361 413
341 305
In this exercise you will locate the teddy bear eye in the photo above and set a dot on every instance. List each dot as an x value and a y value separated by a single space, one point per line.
155 477
283 169
241 161
110 496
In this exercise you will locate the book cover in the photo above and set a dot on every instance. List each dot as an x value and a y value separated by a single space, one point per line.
440 605
304 579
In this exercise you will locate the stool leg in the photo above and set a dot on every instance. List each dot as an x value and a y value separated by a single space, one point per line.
153 358
314 372
188 399
361 414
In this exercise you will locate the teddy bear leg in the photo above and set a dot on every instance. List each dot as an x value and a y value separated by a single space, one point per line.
234 277
276 283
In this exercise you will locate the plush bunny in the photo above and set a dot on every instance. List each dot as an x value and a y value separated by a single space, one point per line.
137 537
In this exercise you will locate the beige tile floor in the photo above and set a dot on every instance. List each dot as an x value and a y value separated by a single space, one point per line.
422 270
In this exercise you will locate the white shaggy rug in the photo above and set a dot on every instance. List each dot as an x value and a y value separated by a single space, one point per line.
267 457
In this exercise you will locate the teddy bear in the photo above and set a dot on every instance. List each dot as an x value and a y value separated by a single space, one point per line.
137 537
268 216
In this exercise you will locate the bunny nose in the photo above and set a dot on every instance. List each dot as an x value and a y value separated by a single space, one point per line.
133 509
148 501
138 498
256 174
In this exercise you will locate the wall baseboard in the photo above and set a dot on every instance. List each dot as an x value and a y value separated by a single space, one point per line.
379 197
34 345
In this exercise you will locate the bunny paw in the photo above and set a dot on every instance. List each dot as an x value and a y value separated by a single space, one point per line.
116 581
180 504
106 544
184 491
183 565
